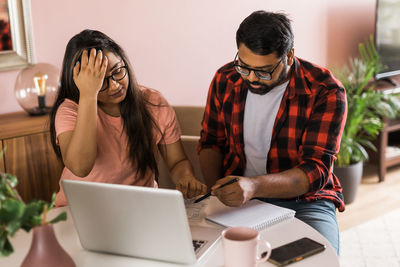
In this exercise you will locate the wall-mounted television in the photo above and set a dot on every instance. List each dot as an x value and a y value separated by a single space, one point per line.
387 37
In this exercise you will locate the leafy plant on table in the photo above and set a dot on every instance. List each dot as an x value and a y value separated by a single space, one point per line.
15 214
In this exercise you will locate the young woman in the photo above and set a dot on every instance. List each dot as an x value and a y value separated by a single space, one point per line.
107 128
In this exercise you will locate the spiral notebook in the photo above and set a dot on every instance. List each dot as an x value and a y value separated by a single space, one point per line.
255 214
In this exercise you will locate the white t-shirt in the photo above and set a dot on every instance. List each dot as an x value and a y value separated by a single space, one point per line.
259 118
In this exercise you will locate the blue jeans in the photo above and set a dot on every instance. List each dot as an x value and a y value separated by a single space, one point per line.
320 214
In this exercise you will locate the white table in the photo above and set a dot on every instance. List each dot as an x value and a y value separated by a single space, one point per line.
277 235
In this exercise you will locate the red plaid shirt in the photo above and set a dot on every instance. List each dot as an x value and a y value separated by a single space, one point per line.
307 130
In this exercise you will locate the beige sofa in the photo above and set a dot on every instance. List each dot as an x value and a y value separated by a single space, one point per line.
189 118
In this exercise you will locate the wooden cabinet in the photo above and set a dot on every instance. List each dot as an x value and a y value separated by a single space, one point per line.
1 159
29 155
388 143
388 147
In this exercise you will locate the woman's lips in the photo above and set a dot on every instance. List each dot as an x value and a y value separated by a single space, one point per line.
118 93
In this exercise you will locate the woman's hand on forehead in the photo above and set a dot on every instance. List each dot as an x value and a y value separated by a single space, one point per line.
89 72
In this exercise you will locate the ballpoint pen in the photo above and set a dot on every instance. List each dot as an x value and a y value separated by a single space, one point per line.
209 193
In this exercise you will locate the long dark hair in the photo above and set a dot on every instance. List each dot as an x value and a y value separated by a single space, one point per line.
138 122
265 33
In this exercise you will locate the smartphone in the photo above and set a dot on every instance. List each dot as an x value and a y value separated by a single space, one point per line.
295 251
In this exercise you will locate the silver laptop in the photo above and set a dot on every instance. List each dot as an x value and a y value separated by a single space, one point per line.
136 221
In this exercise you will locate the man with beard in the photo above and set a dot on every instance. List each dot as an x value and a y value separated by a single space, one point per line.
274 122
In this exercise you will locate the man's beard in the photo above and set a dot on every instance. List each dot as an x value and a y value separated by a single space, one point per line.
267 88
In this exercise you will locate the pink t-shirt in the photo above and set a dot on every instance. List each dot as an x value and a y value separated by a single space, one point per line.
112 164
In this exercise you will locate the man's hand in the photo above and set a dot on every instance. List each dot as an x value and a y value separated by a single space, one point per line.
235 194
190 187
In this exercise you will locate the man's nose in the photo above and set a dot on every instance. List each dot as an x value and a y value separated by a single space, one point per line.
252 77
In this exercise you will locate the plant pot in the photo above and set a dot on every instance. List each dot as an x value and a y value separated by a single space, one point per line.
45 250
350 178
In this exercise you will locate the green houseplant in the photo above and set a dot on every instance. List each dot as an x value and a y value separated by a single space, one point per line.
15 214
366 108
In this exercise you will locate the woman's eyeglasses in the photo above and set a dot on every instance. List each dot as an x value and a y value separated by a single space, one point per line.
261 74
116 75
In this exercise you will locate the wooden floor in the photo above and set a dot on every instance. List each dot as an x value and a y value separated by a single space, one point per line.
373 198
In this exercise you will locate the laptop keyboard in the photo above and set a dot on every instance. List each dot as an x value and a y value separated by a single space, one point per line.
198 244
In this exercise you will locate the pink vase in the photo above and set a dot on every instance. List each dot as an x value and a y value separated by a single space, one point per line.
45 250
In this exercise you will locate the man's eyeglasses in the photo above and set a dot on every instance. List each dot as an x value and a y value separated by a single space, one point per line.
261 74
116 75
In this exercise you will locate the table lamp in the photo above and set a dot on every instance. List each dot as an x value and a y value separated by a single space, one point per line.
36 88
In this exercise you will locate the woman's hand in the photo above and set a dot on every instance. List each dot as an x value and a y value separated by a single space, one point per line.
190 187
181 170
89 72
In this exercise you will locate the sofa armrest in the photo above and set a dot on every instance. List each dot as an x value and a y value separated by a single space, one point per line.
189 118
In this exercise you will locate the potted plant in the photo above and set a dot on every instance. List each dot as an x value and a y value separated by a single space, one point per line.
366 109
15 214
